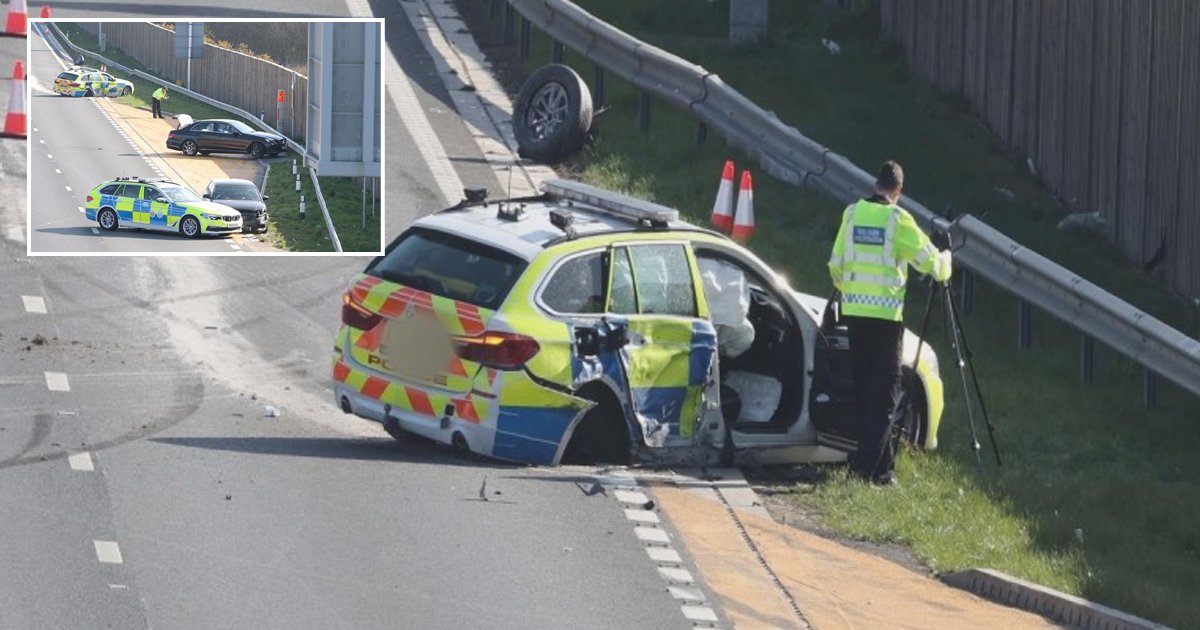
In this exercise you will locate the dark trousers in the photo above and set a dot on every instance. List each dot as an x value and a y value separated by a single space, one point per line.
875 354
157 108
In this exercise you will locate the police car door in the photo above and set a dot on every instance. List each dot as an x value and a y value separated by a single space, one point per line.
155 210
668 360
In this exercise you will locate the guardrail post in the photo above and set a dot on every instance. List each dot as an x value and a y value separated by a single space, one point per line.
598 86
644 112
1087 350
1024 326
968 292
525 37
701 133
558 52
509 22
1149 389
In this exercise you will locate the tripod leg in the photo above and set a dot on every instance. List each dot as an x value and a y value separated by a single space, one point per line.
956 341
987 421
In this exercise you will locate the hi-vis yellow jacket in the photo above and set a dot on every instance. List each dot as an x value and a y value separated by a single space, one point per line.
870 259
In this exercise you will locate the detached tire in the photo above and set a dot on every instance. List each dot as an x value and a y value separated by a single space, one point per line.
552 115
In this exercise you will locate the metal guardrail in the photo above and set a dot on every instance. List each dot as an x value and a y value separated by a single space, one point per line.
337 244
794 158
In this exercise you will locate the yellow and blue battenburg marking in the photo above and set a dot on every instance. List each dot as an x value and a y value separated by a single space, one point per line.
135 211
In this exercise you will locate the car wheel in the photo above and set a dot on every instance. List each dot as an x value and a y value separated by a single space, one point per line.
127 91
108 219
256 150
602 436
190 148
913 420
552 115
190 226
392 426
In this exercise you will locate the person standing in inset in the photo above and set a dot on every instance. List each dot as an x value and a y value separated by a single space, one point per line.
875 245
158 97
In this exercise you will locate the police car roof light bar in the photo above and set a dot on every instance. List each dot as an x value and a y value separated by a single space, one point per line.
610 203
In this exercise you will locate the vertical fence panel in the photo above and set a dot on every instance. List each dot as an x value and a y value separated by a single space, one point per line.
1135 92
1023 125
1051 92
926 38
1162 165
950 56
887 17
1186 266
1077 137
1000 66
1106 111
974 53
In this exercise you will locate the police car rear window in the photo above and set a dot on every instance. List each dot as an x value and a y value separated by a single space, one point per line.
450 266
70 76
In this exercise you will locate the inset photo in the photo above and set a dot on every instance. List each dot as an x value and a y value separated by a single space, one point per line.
206 137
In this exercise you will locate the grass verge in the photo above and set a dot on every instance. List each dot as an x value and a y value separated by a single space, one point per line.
1097 496
343 197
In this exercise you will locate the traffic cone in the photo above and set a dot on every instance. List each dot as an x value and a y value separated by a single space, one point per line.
14 121
15 24
743 224
722 214
103 67
45 15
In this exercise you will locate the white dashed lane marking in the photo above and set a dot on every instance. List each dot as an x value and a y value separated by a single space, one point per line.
57 382
676 575
664 555
49 156
34 303
699 614
625 496
95 231
68 188
81 461
57 171
652 535
642 516
108 551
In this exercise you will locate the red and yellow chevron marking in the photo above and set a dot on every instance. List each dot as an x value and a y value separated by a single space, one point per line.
390 300
471 408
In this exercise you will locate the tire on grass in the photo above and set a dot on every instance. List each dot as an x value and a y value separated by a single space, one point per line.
552 115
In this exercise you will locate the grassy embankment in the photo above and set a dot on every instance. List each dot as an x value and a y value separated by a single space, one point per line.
1077 458
287 231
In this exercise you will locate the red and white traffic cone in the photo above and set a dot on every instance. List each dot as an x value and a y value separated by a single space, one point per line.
15 24
743 224
722 214
103 67
45 14
14 121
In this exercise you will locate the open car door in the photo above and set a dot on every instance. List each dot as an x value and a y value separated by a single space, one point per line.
831 401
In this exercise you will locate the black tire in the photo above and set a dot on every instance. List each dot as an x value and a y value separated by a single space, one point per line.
913 422
190 147
602 436
205 152
272 154
392 426
127 91
552 115
257 150
108 219
190 226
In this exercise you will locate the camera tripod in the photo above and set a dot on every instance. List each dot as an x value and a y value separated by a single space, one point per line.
963 357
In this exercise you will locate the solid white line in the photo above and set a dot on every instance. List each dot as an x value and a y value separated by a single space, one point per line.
652 535
34 303
57 382
664 555
699 613
642 516
686 594
624 496
676 575
107 552
81 461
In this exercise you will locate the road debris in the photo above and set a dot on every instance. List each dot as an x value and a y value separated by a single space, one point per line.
483 490
595 489
67 413
831 46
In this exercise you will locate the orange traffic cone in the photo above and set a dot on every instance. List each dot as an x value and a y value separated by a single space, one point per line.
14 122
15 24
45 15
722 213
103 67
743 224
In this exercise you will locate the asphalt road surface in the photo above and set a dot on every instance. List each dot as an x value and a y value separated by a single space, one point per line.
146 482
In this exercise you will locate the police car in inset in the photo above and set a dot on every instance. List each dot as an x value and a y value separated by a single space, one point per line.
83 81
158 205
587 326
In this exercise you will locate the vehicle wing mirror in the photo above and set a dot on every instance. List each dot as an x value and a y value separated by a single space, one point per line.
266 197
161 200
207 196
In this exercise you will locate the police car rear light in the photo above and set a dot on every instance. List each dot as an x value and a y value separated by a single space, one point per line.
357 316
90 198
498 350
